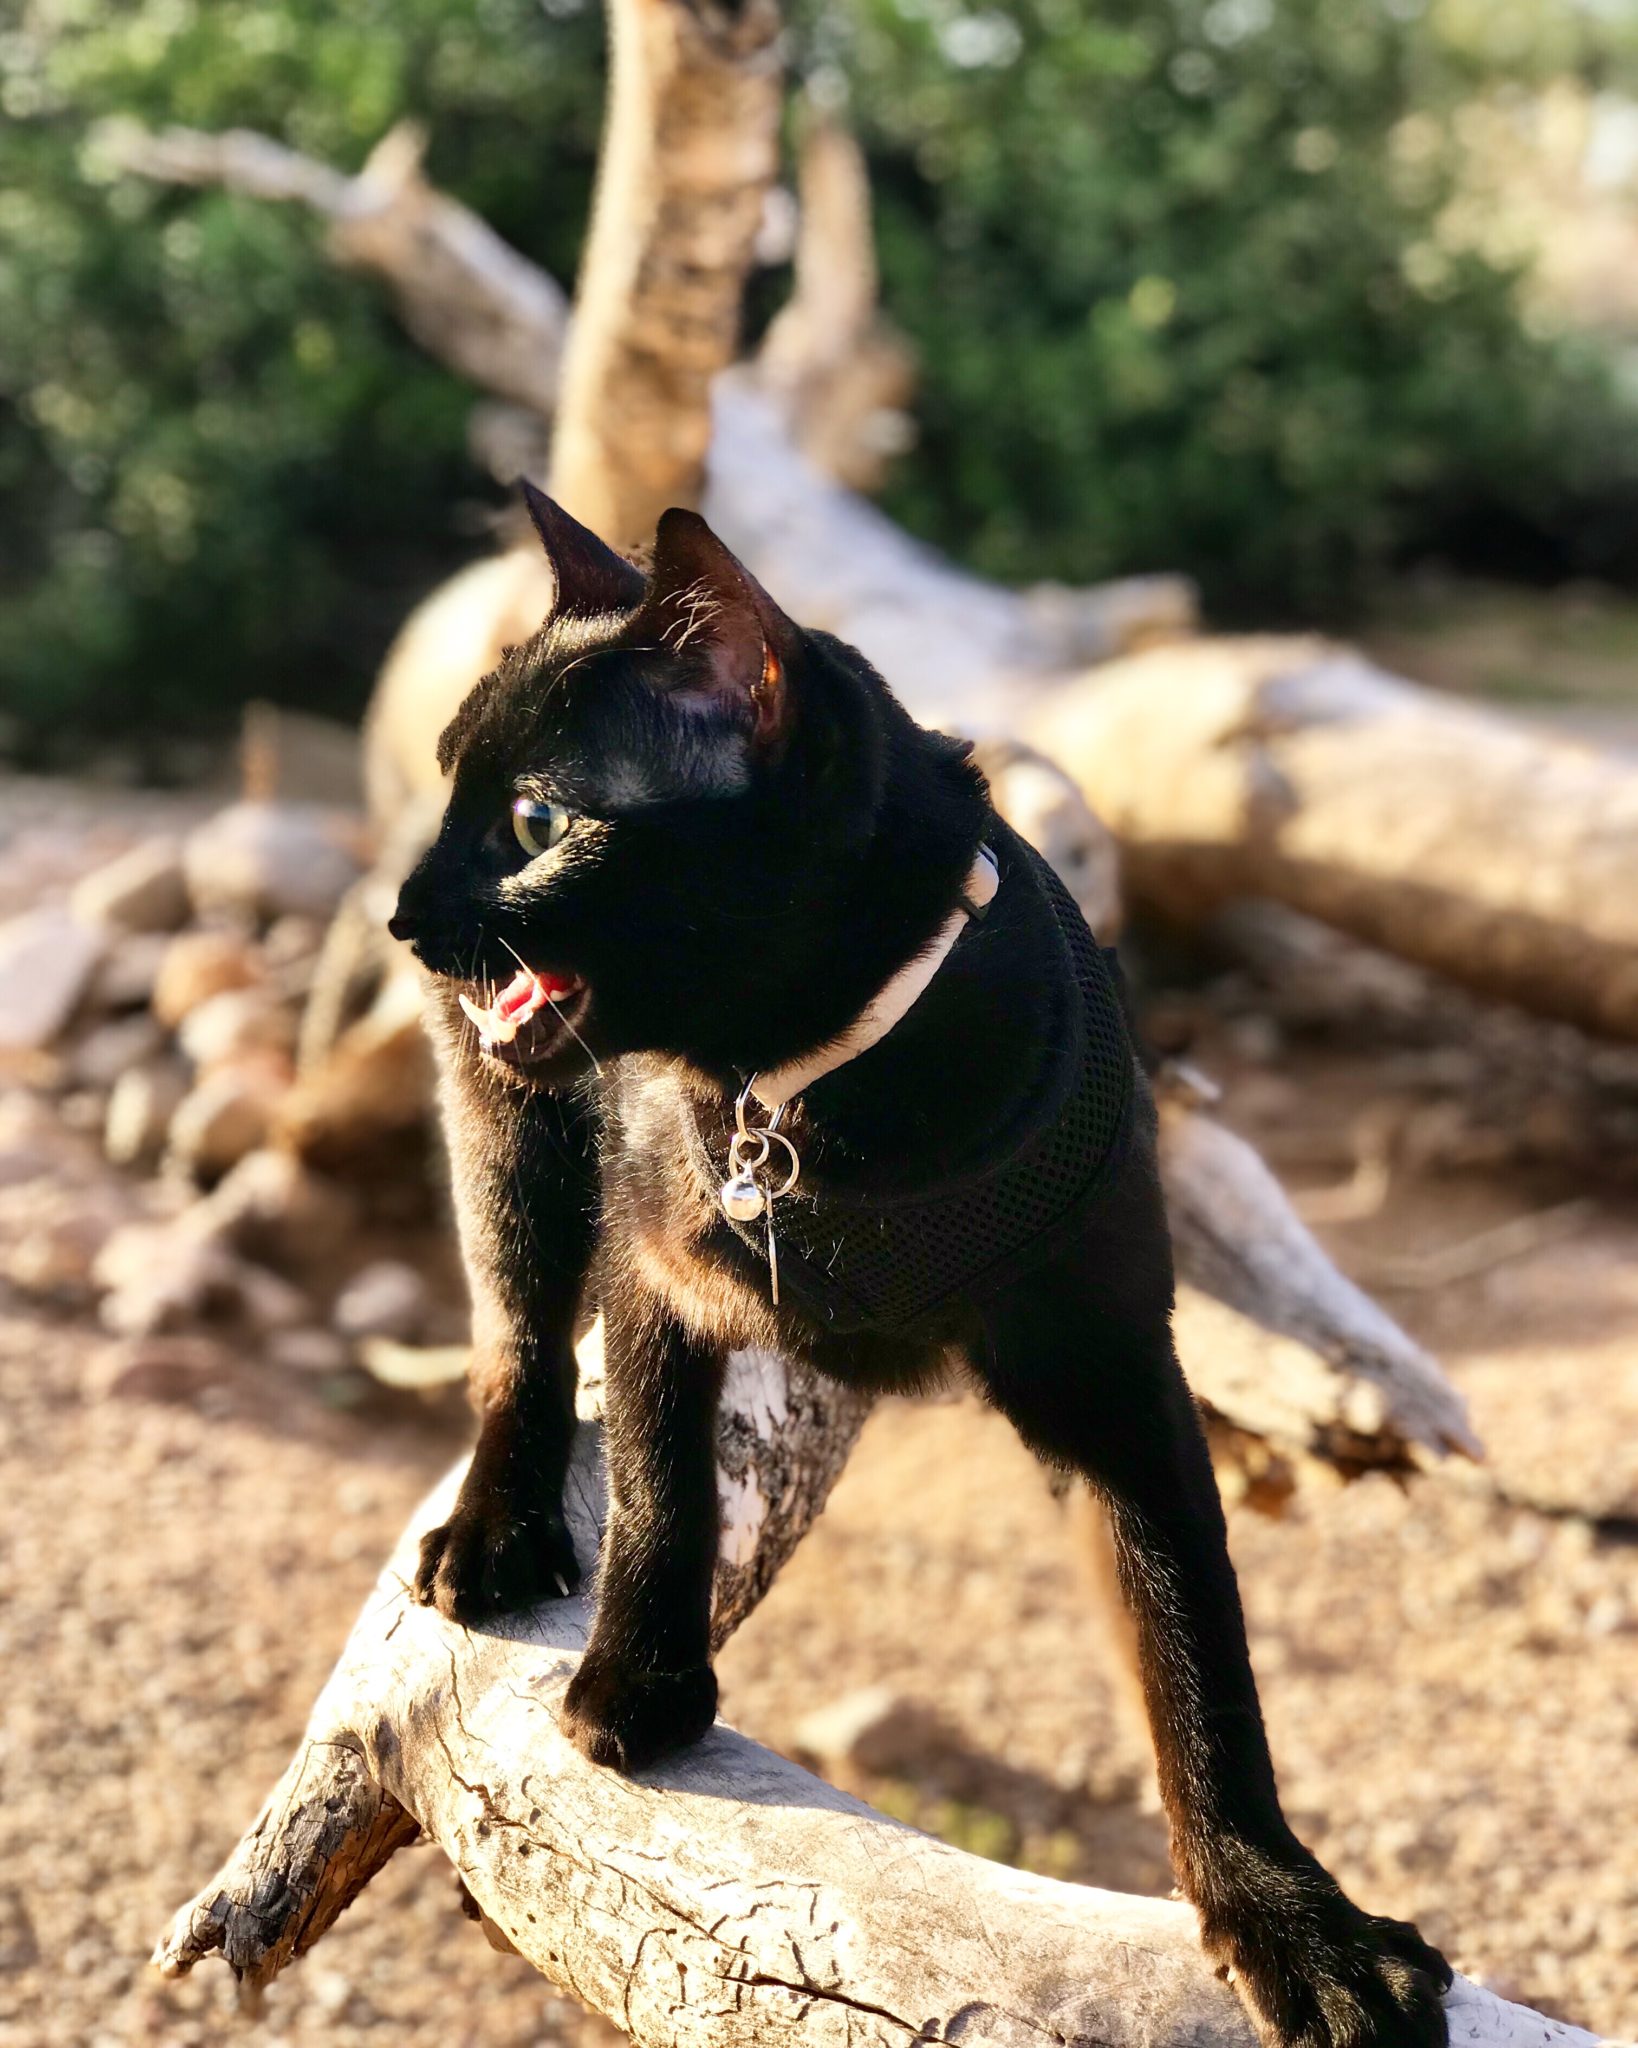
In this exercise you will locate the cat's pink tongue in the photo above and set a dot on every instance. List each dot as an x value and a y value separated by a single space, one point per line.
523 996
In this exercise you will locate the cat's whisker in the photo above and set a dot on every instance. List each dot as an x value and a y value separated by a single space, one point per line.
597 1064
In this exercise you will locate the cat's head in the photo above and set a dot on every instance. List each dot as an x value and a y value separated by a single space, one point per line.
657 806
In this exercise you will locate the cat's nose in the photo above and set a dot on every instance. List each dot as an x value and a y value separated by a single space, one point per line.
402 927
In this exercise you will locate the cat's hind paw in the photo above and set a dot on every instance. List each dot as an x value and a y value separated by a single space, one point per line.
627 1719
486 1560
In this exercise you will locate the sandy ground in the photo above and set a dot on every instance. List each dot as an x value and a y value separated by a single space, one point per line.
1451 1681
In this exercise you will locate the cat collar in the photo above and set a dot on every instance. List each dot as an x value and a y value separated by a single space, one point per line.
749 1191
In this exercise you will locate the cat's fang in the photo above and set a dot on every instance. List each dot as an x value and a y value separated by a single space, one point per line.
492 1030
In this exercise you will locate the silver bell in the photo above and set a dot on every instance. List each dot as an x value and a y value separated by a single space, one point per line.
742 1199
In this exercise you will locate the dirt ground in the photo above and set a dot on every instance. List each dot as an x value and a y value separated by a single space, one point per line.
1451 1678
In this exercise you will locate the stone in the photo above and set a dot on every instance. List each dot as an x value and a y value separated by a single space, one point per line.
293 941
271 1207
158 1277
309 1351
386 1299
47 958
126 975
167 1367
109 1051
220 1119
257 861
199 965
51 1253
143 891
140 1107
269 1304
225 1027
875 1729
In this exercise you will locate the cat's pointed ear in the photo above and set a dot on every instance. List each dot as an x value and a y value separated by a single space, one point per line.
709 610
591 579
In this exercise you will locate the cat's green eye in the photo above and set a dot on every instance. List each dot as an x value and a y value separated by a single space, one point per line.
538 825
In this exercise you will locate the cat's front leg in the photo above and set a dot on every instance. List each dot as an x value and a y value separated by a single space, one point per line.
645 1685
525 1194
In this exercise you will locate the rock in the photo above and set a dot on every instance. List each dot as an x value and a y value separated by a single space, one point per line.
257 861
109 1051
386 1299
238 1021
126 975
269 1304
293 941
162 1368
46 961
139 1112
143 891
199 965
876 1729
220 1119
308 1351
272 1207
363 1111
51 1251
157 1277
160 1277
23 1164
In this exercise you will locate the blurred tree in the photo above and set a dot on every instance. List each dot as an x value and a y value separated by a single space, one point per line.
1175 268
1177 274
224 471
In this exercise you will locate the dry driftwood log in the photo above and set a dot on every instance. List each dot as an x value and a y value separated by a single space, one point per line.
1296 770
726 1897
842 374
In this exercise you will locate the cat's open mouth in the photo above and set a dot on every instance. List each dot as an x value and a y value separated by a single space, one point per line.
531 1018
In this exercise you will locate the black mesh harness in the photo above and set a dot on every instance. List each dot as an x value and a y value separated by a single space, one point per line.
858 1260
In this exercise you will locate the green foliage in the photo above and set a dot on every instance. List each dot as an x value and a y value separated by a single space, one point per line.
224 471
1174 267
1176 272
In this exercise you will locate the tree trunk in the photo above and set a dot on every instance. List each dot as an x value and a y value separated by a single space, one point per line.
725 1899
690 147
1295 770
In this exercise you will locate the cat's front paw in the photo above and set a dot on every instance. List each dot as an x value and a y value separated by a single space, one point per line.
627 1718
1316 1972
490 1559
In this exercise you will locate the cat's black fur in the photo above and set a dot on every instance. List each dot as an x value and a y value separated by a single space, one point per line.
761 838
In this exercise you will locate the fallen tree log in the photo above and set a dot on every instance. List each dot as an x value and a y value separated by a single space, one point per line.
1295 770
727 1897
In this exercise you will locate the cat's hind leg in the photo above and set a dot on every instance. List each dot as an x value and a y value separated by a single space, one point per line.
1080 1357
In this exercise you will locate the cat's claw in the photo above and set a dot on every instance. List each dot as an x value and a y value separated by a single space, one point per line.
1316 1972
486 1560
626 1719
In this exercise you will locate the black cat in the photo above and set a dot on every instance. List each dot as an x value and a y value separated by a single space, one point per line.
694 842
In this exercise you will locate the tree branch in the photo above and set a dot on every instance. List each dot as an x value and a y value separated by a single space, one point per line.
726 1899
